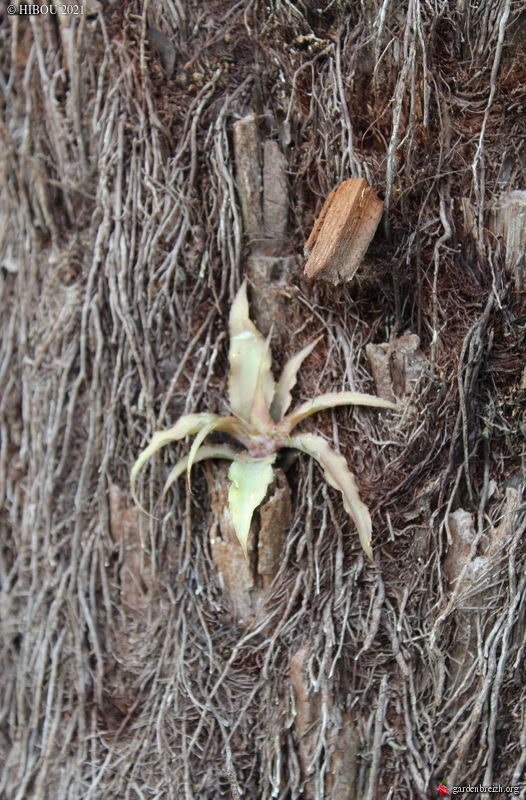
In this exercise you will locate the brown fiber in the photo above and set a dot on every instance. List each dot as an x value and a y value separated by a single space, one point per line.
126 670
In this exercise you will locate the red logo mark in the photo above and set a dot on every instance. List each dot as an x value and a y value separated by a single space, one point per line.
443 790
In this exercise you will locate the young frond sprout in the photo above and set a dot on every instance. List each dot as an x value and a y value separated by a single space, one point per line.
260 424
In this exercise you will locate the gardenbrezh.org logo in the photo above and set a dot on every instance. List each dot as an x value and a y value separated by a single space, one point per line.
480 789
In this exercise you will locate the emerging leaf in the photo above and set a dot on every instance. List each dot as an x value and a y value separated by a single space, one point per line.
287 381
261 426
206 451
331 400
226 424
187 425
259 413
250 385
338 475
250 478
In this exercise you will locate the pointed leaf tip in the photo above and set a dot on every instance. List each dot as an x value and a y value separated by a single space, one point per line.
339 476
223 451
185 426
332 400
287 381
250 382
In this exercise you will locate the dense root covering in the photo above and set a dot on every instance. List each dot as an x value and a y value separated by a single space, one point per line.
127 668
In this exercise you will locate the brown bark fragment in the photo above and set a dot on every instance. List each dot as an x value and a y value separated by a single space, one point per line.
247 149
275 517
135 573
475 581
308 714
269 277
343 232
343 741
234 572
379 364
508 221
345 744
275 192
396 367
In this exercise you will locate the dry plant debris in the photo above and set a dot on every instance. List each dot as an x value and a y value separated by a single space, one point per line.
122 245
343 232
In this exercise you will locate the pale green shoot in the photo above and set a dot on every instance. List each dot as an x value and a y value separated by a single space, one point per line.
260 424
